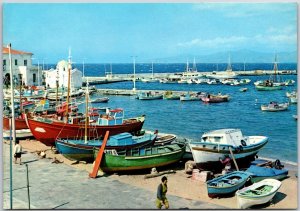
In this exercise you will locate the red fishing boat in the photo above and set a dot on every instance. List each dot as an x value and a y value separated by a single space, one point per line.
20 123
47 130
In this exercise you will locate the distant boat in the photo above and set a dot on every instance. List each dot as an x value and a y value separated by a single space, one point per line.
273 83
169 95
100 100
149 95
243 89
210 98
83 151
274 106
226 184
141 158
189 97
228 73
218 143
295 117
258 193
152 79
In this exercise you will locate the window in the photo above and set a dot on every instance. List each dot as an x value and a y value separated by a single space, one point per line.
25 62
34 77
4 62
16 62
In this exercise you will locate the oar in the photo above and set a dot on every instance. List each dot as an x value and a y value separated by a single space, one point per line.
236 166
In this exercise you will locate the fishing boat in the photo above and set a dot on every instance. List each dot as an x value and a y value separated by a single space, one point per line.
20 134
244 81
228 73
149 95
164 138
218 143
210 98
48 130
82 150
20 123
189 97
258 193
289 82
266 172
141 158
291 94
274 106
294 99
169 95
226 184
273 83
100 100
295 116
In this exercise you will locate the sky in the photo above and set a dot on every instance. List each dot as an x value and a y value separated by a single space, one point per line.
117 32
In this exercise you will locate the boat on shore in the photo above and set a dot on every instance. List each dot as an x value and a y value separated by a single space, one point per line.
274 106
47 130
141 158
20 123
164 138
266 172
226 184
258 193
81 150
20 134
218 143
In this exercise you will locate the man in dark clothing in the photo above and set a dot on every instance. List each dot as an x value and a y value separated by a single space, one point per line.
162 189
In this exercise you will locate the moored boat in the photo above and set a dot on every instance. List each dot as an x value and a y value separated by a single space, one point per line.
48 130
100 100
141 158
149 95
169 95
274 106
210 98
258 193
20 134
226 184
218 143
83 151
189 97
20 123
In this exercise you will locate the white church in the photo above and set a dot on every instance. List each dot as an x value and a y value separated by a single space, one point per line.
60 74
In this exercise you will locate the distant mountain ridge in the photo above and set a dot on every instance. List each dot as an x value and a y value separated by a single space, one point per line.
239 56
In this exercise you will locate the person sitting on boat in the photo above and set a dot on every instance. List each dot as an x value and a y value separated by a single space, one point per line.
227 162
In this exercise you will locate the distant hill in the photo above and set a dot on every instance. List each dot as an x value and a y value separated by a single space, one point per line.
239 56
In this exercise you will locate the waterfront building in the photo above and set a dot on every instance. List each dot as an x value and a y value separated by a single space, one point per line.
60 74
21 66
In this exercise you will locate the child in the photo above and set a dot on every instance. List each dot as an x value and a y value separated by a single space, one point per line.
17 151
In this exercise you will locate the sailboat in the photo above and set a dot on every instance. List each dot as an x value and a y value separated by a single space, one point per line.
82 149
273 83
47 130
228 73
152 79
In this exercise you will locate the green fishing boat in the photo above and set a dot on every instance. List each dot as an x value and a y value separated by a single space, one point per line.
141 158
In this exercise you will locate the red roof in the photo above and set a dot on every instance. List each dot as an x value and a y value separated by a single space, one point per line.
5 51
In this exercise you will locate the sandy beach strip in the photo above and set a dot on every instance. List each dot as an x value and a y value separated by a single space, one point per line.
180 184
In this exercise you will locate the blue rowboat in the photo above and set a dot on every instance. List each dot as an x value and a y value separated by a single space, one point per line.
80 151
263 172
227 184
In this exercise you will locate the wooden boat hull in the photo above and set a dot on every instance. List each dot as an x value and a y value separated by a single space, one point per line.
227 184
84 152
144 158
19 123
20 134
214 99
156 97
207 155
48 131
274 109
251 195
267 88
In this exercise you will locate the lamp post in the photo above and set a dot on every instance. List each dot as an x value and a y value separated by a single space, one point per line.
134 89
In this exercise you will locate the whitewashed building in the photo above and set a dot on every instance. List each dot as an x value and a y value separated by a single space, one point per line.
21 67
60 74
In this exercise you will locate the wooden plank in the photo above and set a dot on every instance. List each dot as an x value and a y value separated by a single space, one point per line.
94 173
236 166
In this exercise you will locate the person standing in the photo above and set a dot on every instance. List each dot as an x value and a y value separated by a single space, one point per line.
227 162
17 151
162 189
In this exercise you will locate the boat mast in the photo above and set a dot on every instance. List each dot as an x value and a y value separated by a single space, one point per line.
86 111
194 65
275 69
187 65
134 89
152 71
13 123
229 68
69 83
57 87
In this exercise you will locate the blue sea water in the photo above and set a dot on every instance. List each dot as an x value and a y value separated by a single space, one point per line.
191 119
